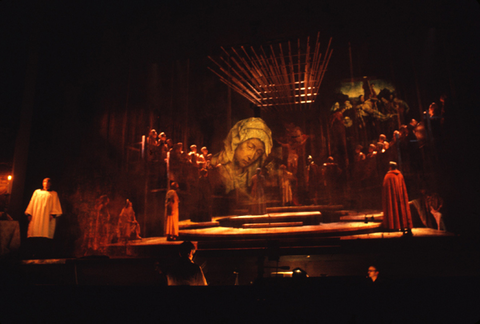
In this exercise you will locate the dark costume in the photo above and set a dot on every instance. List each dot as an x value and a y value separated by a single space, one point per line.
332 174
102 232
203 210
396 210
186 273
312 181
259 204
339 138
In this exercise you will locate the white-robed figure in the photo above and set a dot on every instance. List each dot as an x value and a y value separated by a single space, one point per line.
42 210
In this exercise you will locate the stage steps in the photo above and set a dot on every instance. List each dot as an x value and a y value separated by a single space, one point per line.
289 216
283 209
306 218
364 216
279 224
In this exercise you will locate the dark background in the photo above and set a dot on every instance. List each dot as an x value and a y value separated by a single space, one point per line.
105 72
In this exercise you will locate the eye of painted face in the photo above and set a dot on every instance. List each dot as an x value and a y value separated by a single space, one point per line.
248 152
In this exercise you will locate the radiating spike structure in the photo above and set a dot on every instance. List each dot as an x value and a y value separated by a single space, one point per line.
272 78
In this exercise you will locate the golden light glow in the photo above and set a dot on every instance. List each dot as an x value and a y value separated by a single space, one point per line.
9 177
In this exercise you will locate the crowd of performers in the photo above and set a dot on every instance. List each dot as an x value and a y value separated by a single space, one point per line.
255 168
364 136
168 163
367 133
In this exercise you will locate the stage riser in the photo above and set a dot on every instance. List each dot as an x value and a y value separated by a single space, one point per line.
297 235
293 209
237 222
267 225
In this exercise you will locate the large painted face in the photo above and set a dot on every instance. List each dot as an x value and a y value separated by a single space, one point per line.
249 152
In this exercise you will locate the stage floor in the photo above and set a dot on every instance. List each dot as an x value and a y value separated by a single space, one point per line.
286 227
239 234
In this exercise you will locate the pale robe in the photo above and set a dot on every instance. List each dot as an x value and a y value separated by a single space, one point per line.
43 204
287 196
171 226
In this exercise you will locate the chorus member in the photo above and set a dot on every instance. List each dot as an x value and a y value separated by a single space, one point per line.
396 210
171 212
42 211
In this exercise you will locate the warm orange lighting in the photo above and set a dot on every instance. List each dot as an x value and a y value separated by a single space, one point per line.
9 177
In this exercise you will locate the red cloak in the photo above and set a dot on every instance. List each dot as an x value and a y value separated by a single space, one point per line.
396 211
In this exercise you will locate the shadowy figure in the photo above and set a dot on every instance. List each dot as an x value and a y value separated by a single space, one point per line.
128 227
258 204
184 271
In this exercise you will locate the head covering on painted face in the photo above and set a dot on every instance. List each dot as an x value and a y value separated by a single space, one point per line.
244 130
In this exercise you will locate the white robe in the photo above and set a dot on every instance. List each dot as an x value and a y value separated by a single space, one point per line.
43 204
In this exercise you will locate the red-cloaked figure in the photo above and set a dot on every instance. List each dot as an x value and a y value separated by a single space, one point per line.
396 211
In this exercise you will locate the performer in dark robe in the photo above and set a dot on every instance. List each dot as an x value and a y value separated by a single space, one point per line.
396 210
102 232
259 204
204 202
311 173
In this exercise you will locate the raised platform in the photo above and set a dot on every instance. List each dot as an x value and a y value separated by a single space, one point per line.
305 218
291 221
327 229
311 225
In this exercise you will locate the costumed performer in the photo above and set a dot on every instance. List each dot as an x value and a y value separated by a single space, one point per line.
42 211
128 226
259 204
396 210
171 212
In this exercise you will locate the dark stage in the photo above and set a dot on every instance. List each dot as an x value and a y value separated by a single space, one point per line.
428 278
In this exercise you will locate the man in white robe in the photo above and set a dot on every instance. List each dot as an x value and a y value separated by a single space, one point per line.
42 211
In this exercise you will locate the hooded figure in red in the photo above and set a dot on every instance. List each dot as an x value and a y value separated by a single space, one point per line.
396 211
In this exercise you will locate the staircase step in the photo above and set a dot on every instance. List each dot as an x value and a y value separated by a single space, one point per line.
265 225
283 209
193 225
374 217
307 218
